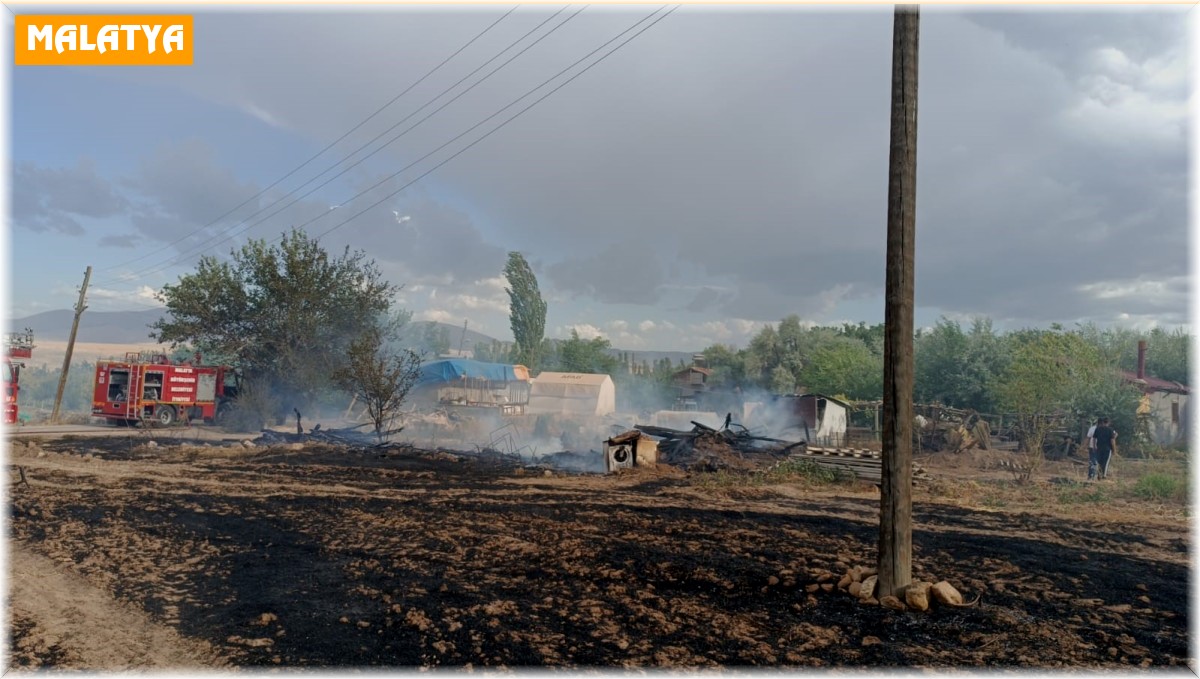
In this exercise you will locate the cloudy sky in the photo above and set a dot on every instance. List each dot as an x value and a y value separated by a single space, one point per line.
721 169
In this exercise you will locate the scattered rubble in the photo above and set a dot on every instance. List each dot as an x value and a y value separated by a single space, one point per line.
860 582
733 447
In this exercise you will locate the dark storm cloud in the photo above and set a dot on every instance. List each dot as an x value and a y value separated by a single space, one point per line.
186 190
619 274
52 199
748 149
431 241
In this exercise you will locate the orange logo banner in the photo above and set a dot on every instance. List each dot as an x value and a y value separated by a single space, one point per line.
103 40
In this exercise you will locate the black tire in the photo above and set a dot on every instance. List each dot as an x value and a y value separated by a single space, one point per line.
221 418
164 416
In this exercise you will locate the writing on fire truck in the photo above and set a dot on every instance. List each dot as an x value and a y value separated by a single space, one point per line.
149 387
17 345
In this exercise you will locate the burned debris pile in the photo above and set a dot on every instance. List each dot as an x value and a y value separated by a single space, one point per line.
733 447
353 440
349 436
707 449
946 429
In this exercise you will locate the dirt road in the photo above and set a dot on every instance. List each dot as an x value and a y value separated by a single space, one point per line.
322 557
61 620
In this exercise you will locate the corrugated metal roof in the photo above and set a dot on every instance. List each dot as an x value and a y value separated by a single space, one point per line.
1155 384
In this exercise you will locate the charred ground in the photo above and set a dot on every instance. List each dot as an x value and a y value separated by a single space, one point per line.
325 557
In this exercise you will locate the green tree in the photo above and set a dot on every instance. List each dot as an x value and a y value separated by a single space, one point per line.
1039 386
527 310
286 314
728 366
1167 354
1166 350
782 381
38 386
586 356
870 335
957 368
436 339
846 368
1116 346
1108 395
379 376
492 352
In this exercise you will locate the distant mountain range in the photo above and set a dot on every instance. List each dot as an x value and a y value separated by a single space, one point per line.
133 328
109 327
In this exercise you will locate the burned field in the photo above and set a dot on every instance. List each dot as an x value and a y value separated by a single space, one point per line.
328 557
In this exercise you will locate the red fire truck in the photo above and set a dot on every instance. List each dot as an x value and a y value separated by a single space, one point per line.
149 387
17 345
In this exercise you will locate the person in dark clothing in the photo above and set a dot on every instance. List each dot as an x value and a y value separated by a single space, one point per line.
1106 439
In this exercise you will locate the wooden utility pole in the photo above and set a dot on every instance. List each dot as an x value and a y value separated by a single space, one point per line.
895 515
62 379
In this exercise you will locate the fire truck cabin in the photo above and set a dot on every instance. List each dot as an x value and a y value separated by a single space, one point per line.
17 345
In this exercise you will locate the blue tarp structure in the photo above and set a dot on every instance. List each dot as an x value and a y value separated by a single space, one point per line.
454 369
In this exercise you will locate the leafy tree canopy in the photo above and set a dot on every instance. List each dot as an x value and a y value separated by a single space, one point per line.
586 356
285 314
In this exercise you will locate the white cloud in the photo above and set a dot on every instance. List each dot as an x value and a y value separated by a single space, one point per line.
734 332
263 115
586 331
439 315
107 298
475 303
1145 290
497 284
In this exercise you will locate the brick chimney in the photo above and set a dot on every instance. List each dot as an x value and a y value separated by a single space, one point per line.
1141 368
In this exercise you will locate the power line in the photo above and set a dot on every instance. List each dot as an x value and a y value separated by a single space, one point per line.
329 146
501 125
233 232
515 115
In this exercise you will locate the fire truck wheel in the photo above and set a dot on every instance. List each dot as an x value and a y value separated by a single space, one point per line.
164 415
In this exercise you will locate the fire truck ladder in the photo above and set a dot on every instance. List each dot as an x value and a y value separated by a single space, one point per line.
133 399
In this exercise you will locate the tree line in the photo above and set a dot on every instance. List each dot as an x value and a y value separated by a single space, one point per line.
306 327
1042 377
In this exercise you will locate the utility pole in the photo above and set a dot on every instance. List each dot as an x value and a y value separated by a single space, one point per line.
895 506
62 379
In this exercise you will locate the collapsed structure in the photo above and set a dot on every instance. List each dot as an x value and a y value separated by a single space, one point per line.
814 418
466 382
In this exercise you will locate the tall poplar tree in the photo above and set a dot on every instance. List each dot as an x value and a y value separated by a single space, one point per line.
527 311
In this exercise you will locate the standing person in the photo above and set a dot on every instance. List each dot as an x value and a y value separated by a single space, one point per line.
1105 438
1090 440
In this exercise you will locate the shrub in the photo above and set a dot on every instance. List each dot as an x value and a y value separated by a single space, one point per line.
792 469
1160 487
254 407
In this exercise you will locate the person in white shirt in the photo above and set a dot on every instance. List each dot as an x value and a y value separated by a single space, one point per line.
1091 440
